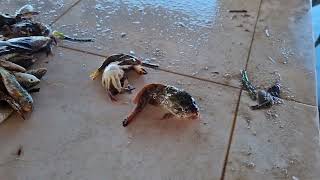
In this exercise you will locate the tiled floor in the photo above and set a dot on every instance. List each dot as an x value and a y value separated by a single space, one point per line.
75 131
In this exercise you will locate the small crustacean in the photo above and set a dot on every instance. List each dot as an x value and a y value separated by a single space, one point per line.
176 101
35 43
114 72
16 91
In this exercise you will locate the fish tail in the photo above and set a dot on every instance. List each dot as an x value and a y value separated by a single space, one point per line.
94 74
78 39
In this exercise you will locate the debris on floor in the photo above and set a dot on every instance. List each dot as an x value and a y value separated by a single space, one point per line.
266 98
266 30
177 101
246 83
271 59
238 11
19 151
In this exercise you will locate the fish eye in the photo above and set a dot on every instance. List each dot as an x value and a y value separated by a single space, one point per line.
31 80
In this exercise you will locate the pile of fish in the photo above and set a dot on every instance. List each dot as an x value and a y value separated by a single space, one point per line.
22 37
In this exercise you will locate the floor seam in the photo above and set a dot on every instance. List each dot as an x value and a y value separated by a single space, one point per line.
234 122
225 162
65 12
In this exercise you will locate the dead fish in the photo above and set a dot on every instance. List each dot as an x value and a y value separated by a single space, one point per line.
26 28
35 43
16 91
11 66
9 48
6 19
12 103
27 80
176 101
23 60
39 72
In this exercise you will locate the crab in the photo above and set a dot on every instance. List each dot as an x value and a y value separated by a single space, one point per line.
114 73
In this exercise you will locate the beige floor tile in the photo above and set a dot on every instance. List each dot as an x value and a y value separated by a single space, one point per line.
279 143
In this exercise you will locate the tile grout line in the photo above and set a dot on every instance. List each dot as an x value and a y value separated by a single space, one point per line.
65 12
225 162
234 122
253 35
160 69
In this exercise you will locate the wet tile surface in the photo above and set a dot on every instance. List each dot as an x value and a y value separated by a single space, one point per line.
75 132
49 10
180 40
279 143
290 46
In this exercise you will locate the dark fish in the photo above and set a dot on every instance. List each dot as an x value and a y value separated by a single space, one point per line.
39 72
11 66
26 28
16 91
7 47
6 19
23 60
13 103
35 43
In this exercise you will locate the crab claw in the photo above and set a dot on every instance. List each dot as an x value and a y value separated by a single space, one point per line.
140 70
